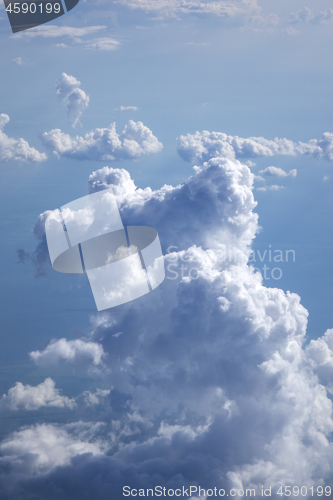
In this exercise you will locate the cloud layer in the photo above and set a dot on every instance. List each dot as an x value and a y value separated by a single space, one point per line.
173 8
202 146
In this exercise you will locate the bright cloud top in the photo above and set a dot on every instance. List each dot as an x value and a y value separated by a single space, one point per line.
16 149
69 92
202 146
27 397
104 143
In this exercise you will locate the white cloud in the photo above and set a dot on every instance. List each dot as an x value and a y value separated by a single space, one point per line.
278 172
71 351
18 60
211 366
128 108
258 178
88 398
104 143
291 31
16 149
76 99
192 329
27 397
104 43
273 187
42 447
320 353
307 15
73 34
205 145
202 146
325 178
58 31
221 8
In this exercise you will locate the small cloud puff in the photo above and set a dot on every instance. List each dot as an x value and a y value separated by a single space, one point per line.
18 61
127 108
104 43
278 172
274 187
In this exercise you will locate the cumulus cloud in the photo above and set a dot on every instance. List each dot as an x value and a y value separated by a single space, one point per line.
202 146
16 149
278 172
104 143
75 98
27 397
320 353
42 447
69 351
211 381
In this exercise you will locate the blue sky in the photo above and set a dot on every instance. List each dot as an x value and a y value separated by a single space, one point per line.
248 69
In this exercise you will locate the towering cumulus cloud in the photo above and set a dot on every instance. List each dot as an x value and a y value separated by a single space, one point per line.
210 381
69 92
